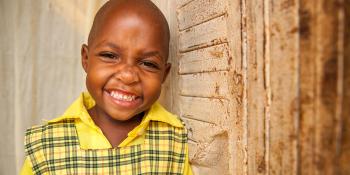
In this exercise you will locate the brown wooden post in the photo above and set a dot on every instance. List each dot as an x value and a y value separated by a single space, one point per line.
344 165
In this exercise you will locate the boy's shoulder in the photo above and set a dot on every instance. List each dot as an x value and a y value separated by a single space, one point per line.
38 131
164 124
160 114
49 125
44 135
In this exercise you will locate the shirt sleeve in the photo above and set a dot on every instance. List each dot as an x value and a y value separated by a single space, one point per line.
26 168
187 169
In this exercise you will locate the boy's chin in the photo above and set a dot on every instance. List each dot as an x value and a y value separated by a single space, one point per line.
126 117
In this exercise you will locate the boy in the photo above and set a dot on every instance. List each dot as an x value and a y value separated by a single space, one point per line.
117 127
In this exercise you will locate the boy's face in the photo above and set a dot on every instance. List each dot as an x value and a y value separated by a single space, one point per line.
126 64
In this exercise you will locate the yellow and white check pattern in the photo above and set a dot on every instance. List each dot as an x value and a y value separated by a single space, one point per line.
73 144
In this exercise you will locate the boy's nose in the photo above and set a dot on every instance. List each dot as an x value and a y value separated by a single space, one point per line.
127 74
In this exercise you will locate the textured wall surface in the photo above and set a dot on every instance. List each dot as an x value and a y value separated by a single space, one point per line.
40 71
262 85
7 54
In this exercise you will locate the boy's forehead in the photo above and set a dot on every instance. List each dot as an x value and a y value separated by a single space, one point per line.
119 9
129 7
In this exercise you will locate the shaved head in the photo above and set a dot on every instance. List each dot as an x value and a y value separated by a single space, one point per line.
144 9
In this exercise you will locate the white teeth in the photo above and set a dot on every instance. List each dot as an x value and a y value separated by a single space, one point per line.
122 97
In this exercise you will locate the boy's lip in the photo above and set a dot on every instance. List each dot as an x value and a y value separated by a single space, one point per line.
123 92
123 98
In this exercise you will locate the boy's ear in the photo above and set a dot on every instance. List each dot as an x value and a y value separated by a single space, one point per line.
84 57
167 70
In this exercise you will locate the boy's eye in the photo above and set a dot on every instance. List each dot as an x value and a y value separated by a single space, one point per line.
150 65
107 55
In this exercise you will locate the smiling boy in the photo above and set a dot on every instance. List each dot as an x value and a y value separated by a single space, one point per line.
117 127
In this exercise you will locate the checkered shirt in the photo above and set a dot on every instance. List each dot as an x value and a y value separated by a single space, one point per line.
54 149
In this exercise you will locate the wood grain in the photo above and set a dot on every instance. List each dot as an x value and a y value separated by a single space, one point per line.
209 110
344 167
207 34
256 90
211 84
199 11
211 59
284 82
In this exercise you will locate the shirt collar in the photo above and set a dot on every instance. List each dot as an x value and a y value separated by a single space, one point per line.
78 110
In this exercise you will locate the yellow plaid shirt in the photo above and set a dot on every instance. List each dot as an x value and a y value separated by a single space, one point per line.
91 136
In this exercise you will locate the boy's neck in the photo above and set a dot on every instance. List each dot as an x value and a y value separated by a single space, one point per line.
114 130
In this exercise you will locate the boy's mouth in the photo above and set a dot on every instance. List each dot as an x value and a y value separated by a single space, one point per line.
122 96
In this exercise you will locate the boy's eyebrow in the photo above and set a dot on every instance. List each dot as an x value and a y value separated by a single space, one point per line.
153 53
109 44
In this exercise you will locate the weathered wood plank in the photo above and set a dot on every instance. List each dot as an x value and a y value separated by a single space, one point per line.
327 88
263 93
307 88
344 160
199 131
238 117
199 11
204 109
211 84
283 49
208 150
256 92
206 34
215 58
